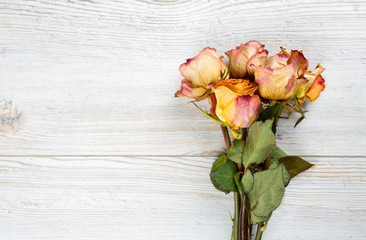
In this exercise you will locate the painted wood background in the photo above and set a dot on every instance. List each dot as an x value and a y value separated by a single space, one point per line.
93 145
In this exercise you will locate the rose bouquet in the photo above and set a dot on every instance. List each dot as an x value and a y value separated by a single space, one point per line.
249 96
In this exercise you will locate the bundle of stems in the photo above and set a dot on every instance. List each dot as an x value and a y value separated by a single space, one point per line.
242 229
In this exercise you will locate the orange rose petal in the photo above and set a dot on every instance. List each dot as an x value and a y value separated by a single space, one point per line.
213 104
284 51
301 100
239 86
315 89
310 77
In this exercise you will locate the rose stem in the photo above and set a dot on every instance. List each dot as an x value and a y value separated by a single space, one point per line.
261 228
240 229
236 218
236 228
259 234
245 227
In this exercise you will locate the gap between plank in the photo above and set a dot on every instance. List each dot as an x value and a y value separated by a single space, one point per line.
176 156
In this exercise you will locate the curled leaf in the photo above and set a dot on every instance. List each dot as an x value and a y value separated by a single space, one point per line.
223 177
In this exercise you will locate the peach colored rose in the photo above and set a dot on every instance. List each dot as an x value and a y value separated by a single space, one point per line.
281 76
234 102
199 72
244 57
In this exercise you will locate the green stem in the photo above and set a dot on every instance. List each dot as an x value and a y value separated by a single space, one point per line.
237 203
259 234
261 228
236 229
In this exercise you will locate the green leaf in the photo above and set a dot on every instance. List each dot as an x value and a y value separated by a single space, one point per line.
286 176
297 103
299 120
223 177
272 112
259 143
277 153
211 117
218 163
247 181
267 192
215 166
235 153
254 219
296 165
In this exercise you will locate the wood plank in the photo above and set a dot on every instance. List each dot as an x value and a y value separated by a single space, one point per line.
167 198
97 77
107 117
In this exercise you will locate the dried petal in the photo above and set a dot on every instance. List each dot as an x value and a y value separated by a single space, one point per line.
203 69
281 76
242 111
315 89
310 77
186 90
239 86
234 102
241 56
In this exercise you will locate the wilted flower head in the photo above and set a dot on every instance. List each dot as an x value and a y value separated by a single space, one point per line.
244 57
234 102
199 72
235 97
281 76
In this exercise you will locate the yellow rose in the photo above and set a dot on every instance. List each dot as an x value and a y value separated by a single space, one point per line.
244 57
199 72
234 102
281 76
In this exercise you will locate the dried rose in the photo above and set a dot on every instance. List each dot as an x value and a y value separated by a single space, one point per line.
234 102
244 57
281 76
199 72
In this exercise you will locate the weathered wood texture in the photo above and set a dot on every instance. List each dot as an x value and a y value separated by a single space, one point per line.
167 198
93 145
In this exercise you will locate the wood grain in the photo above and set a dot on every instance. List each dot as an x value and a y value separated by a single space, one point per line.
166 198
99 77
93 145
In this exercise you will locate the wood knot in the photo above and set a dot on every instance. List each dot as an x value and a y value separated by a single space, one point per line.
11 119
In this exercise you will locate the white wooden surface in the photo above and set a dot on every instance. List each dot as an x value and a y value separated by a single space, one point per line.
93 145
